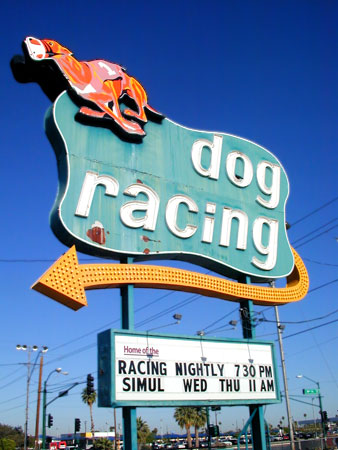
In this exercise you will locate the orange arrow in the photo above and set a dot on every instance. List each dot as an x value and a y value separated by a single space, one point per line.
65 281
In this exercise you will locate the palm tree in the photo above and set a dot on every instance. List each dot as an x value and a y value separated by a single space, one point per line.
89 399
185 416
143 431
103 444
200 419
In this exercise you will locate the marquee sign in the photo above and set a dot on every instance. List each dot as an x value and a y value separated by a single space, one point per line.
135 184
140 369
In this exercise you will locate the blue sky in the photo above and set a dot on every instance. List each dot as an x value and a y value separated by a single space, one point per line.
265 71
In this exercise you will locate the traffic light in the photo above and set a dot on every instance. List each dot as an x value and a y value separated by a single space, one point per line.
90 384
215 408
50 420
213 430
323 415
77 425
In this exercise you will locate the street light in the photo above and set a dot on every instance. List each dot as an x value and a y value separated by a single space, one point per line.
177 317
233 323
44 403
319 400
29 349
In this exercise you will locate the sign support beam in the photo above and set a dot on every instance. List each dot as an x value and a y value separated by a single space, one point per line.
127 323
249 332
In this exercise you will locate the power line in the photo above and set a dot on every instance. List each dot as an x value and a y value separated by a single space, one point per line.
311 347
309 329
111 323
181 303
313 231
322 286
315 237
224 328
319 262
40 260
301 321
219 320
80 350
314 211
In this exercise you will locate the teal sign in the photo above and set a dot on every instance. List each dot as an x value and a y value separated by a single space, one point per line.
212 199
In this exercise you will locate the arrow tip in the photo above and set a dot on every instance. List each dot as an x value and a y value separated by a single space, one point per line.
62 281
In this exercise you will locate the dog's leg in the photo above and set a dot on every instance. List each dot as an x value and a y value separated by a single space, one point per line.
110 94
135 91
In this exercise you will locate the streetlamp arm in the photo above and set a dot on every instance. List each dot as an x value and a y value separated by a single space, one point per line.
310 379
63 393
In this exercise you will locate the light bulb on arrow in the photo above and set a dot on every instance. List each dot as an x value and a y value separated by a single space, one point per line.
66 280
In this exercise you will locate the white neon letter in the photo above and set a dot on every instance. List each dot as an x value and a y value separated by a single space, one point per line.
215 160
231 169
228 215
209 223
271 248
93 179
274 189
171 215
148 221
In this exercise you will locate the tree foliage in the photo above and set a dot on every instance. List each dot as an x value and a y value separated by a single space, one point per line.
188 417
103 444
144 435
185 416
15 434
199 421
89 399
7 444
142 430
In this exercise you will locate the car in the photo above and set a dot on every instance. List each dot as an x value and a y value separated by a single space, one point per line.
179 445
305 435
276 438
225 443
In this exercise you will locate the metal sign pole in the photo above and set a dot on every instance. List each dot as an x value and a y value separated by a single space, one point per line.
127 323
258 423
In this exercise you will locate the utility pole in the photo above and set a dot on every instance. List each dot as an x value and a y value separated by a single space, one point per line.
36 446
208 423
27 394
286 389
115 430
29 349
